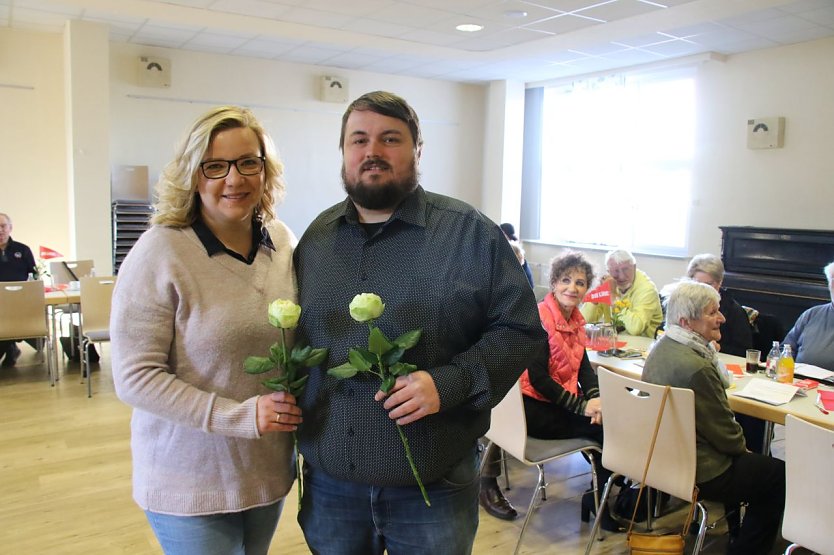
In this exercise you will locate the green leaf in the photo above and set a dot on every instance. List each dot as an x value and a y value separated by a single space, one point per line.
298 355
257 365
315 358
402 368
378 344
358 360
408 339
388 383
276 353
342 371
297 386
393 356
276 384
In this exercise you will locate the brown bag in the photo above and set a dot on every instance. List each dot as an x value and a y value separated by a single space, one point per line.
657 544
645 544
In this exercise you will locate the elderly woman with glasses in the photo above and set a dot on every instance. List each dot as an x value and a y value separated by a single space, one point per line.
212 456
685 357
736 331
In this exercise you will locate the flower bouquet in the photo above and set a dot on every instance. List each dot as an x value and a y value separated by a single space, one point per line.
617 313
381 358
284 315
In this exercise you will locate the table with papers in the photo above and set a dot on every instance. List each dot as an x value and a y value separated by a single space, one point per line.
800 406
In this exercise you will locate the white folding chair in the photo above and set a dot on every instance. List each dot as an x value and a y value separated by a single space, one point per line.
631 407
809 486
508 430
64 272
69 270
96 296
23 316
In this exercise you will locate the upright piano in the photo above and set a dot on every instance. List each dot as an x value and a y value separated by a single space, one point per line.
777 271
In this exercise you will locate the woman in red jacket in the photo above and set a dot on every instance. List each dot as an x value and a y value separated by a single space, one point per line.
561 394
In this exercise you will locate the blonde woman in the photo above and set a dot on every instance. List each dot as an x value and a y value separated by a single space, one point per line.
211 453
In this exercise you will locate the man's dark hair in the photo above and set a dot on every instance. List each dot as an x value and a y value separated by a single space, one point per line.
386 104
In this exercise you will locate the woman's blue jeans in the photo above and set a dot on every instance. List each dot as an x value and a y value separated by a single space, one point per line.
246 532
347 518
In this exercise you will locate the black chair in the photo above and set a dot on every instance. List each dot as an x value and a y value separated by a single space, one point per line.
767 329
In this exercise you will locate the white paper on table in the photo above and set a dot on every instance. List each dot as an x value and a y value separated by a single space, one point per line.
767 391
813 372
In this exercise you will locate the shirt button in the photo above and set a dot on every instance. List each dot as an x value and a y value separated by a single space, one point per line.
364 276
350 432
352 467
350 393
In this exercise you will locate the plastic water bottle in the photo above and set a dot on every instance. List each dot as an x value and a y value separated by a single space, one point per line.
784 370
772 361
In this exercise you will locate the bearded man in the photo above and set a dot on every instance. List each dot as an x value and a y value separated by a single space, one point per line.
440 266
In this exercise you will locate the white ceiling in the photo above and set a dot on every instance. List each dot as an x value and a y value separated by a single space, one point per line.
526 40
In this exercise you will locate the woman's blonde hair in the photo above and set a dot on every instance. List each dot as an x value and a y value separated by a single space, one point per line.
177 200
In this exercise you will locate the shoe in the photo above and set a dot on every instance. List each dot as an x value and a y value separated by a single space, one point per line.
12 355
607 522
493 501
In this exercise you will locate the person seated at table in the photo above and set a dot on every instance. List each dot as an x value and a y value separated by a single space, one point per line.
812 336
725 470
736 331
509 232
560 389
643 312
16 264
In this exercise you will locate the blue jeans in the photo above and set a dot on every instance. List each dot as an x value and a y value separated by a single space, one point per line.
246 532
349 518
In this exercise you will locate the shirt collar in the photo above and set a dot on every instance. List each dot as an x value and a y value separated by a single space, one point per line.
412 210
260 237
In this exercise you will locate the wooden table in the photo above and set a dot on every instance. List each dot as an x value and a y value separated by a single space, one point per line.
801 407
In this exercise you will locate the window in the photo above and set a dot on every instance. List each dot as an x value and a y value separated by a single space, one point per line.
615 162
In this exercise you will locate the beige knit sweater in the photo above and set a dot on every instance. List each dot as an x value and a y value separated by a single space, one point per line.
181 326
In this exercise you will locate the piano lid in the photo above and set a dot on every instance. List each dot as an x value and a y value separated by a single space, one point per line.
782 253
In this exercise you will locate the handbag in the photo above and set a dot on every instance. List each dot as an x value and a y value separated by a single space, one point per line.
657 544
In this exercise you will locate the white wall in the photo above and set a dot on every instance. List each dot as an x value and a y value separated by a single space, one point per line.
33 190
148 122
791 187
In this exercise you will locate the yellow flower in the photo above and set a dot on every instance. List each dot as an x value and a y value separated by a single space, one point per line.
284 314
366 306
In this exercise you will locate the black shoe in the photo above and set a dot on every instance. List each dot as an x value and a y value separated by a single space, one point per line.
12 354
493 501
607 522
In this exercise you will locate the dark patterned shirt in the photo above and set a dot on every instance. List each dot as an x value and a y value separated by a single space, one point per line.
438 265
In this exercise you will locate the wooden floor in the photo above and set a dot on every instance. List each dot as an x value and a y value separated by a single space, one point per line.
65 479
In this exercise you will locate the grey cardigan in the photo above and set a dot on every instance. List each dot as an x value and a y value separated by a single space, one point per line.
718 437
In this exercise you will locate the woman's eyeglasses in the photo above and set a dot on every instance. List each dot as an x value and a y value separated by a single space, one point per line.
218 169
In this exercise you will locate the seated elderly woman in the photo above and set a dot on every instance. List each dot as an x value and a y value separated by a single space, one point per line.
726 472
736 331
812 336
561 392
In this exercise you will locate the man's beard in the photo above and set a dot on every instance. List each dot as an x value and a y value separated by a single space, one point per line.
380 196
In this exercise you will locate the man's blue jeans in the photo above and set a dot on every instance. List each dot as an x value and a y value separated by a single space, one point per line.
246 532
349 518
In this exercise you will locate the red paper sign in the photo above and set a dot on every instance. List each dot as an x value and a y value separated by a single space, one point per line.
827 399
47 253
602 294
